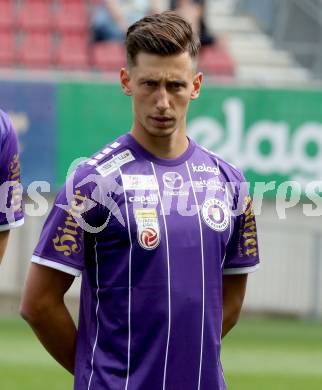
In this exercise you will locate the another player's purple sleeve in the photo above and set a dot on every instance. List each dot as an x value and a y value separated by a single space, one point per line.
11 214
242 250
61 244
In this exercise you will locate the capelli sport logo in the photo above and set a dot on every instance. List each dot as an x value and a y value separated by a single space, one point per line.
204 168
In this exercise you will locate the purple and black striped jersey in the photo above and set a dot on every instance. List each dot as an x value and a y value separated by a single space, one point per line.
152 238
11 214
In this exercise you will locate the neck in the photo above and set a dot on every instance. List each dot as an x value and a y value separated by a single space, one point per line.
168 147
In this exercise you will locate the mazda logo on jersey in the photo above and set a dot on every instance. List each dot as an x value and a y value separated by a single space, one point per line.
172 180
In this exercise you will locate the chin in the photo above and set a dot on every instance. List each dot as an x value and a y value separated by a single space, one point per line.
160 132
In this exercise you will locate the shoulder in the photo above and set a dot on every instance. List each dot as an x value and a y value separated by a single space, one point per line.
104 162
223 166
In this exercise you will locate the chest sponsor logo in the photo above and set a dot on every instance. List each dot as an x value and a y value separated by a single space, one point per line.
204 168
172 180
144 199
115 163
139 182
215 214
148 230
211 184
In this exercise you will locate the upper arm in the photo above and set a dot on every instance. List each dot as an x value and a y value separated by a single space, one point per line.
44 287
234 289
3 242
242 255
11 214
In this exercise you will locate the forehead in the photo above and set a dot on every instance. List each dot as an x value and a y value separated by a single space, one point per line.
179 66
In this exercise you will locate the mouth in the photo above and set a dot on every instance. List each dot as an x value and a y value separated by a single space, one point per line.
162 121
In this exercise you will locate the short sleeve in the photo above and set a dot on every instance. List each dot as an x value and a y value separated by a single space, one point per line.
242 250
63 238
11 213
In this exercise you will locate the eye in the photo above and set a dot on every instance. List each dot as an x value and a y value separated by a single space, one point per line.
175 86
151 83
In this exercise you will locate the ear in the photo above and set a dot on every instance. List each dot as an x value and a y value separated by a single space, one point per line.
125 81
196 86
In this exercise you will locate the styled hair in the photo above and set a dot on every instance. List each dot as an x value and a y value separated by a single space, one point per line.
163 34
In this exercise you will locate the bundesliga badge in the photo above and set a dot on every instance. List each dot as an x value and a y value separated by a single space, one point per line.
148 228
216 215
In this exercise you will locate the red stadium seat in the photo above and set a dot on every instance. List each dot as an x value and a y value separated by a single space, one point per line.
35 15
36 50
72 16
215 60
72 52
108 56
7 14
7 48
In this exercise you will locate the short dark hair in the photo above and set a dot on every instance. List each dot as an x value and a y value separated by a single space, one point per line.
163 34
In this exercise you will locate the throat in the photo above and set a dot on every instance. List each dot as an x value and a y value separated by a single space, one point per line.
166 147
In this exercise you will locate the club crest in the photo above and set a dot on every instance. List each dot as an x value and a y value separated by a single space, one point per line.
215 214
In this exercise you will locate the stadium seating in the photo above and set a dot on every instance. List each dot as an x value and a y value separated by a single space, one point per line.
35 15
7 14
109 56
56 34
215 60
7 48
36 50
71 16
72 51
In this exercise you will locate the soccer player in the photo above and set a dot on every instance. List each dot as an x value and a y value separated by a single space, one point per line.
151 225
11 214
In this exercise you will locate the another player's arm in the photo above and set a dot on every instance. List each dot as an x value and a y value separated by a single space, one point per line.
3 243
234 288
43 307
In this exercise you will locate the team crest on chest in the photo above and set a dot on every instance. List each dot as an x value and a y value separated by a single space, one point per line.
215 213
148 230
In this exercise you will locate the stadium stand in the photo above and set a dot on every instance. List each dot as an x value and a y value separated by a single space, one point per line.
255 57
109 56
35 15
36 50
71 16
55 35
7 48
7 14
72 52
215 59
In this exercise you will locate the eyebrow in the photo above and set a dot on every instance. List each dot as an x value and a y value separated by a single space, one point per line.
173 81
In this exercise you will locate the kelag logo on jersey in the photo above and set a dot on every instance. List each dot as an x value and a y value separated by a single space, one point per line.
148 230
216 214
204 168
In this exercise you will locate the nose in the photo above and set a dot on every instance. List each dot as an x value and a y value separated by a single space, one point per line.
162 100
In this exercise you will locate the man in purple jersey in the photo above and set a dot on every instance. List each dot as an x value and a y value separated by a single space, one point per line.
152 224
11 214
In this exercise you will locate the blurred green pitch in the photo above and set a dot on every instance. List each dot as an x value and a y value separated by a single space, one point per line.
259 354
